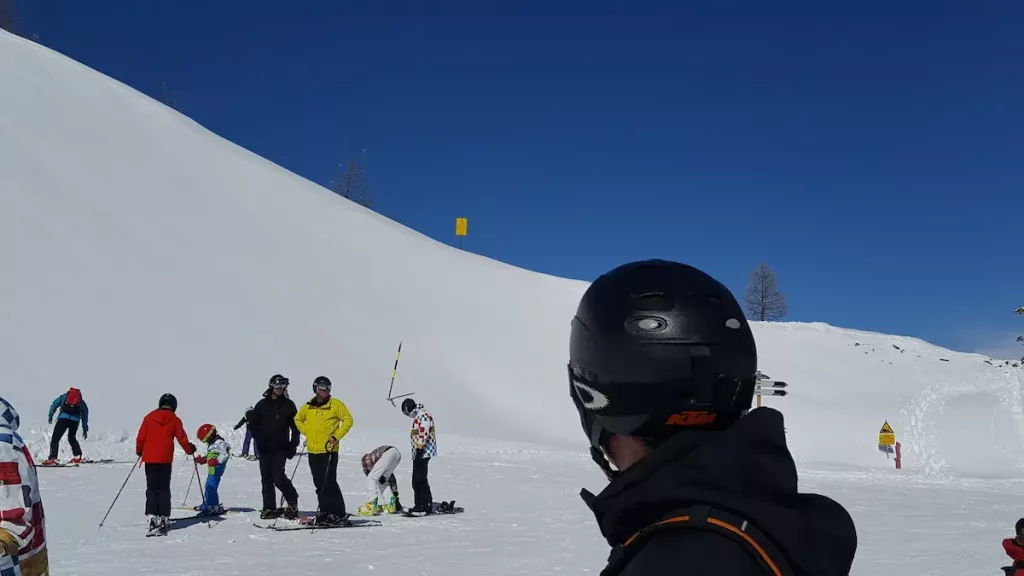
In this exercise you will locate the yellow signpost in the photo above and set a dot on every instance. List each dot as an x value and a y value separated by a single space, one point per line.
461 226
886 437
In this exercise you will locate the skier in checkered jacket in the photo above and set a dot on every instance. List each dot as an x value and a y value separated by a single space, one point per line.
424 447
22 529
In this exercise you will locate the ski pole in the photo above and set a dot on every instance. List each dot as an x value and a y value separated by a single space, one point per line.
189 489
323 485
394 371
292 478
196 464
190 479
119 492
294 470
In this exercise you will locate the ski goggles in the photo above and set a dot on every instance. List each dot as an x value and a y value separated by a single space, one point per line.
280 383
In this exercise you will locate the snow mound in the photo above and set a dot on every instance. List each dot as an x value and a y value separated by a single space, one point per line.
146 254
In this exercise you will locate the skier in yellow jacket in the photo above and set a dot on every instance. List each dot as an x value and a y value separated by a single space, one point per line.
324 421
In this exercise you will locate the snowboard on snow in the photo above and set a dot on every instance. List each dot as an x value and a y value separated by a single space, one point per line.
442 509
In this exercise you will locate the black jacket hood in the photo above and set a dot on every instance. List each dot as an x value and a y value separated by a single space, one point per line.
746 470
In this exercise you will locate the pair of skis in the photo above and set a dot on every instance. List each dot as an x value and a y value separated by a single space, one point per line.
195 517
74 465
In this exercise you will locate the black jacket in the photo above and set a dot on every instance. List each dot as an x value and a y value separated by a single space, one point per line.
272 424
745 471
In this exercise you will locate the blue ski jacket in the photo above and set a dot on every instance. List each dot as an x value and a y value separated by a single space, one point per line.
83 417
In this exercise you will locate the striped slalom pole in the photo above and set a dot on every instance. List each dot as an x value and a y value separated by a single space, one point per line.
394 372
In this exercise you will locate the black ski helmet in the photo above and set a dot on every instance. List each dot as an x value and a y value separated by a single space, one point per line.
168 401
408 405
322 381
657 347
277 380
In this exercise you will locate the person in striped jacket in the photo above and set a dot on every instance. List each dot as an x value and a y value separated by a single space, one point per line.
424 447
22 521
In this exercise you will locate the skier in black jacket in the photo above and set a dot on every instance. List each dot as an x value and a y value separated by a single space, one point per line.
662 371
272 422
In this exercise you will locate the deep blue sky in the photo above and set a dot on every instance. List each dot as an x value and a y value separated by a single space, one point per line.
871 152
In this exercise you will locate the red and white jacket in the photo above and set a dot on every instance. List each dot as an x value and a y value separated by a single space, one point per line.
422 435
22 521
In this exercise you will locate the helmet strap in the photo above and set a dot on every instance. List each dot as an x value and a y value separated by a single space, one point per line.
598 436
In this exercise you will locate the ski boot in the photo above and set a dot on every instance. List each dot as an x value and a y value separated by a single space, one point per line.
329 519
49 462
76 460
291 512
217 510
370 508
393 506
158 526
426 509
270 513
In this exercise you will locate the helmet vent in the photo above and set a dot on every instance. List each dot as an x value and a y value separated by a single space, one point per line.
653 301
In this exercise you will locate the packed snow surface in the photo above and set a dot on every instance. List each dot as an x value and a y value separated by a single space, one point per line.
145 254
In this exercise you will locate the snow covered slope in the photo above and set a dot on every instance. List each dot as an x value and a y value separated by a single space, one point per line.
144 254
953 413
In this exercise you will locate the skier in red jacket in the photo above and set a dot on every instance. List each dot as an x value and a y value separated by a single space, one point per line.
155 445
1015 550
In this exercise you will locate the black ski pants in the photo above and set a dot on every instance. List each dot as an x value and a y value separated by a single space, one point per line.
420 484
158 489
69 426
272 475
324 468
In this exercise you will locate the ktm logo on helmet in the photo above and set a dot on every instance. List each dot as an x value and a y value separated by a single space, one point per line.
691 418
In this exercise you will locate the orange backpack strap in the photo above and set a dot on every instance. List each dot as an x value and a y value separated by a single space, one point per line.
710 519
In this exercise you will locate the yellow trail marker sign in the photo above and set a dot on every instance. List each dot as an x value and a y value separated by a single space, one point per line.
886 437
461 224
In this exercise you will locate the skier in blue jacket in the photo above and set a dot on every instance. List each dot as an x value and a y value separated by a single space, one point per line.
73 411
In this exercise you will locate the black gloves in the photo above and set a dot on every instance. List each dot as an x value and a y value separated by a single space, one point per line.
292 450
192 447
